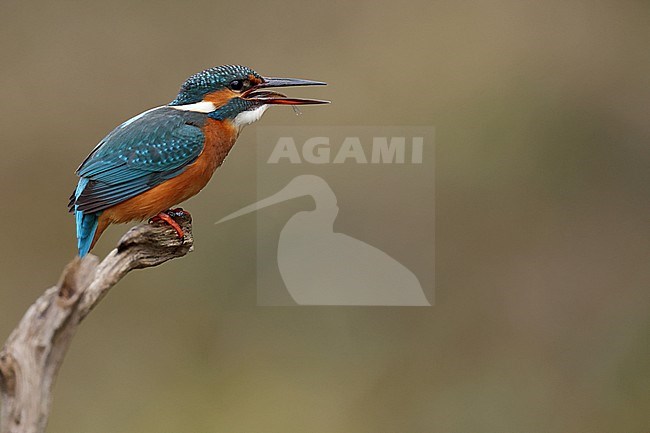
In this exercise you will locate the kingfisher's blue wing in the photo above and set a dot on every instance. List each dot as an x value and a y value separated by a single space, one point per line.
138 155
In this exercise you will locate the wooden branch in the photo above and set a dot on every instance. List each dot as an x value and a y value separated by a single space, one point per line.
34 352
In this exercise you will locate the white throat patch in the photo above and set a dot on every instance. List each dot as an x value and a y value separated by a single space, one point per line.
247 117
199 107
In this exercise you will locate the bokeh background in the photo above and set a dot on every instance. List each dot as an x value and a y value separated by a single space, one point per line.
541 320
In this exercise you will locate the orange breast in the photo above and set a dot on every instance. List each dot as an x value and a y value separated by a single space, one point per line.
220 136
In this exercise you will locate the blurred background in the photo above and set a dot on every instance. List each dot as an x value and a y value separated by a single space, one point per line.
541 319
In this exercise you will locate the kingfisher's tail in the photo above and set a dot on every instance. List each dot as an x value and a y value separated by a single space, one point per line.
86 228
86 222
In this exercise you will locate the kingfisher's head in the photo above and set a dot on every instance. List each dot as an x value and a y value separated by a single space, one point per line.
236 93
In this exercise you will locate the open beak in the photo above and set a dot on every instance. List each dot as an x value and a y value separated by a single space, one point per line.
271 97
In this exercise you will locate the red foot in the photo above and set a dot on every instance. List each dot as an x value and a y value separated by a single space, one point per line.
167 216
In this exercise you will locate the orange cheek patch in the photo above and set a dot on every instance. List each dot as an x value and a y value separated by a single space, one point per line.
220 97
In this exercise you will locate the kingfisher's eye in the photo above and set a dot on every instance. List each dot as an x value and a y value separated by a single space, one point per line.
238 85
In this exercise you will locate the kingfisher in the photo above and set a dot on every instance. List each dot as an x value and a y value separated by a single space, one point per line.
160 158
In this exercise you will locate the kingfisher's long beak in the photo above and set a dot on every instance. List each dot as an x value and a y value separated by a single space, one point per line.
288 82
271 97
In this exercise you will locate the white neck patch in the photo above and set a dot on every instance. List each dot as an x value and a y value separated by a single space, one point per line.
199 107
247 117
133 119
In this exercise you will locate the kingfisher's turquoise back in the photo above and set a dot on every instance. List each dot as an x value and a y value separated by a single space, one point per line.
135 157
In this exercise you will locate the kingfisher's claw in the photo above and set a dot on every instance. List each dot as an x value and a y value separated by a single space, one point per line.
167 217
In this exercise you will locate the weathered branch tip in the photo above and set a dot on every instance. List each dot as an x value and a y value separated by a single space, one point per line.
34 352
